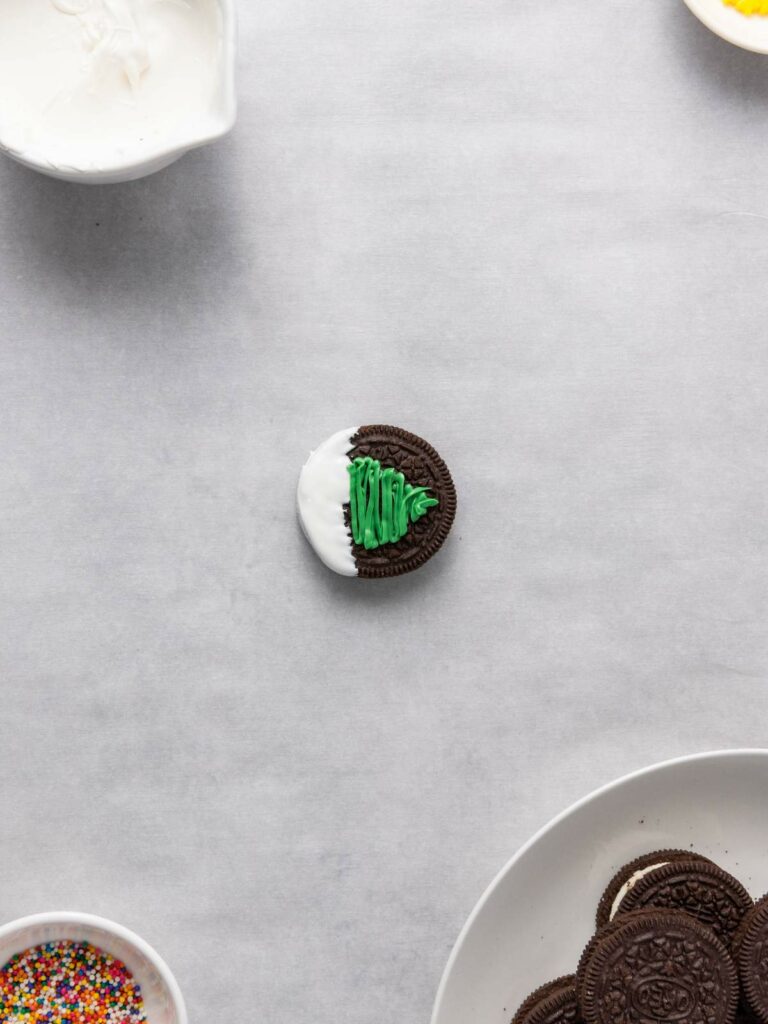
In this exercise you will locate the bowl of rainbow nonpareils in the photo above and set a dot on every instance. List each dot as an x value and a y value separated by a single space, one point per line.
741 22
80 968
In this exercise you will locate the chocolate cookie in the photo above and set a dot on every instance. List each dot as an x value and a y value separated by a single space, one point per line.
750 950
553 1003
375 501
648 967
698 888
628 876
745 1015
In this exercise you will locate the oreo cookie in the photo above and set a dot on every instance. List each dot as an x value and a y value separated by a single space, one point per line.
750 950
553 1003
628 876
376 501
745 1015
696 887
648 967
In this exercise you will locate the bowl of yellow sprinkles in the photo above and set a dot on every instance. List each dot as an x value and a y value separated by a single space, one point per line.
741 22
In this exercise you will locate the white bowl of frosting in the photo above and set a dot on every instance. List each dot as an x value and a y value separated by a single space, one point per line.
102 91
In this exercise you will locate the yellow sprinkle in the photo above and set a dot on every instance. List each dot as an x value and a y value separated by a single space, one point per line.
748 7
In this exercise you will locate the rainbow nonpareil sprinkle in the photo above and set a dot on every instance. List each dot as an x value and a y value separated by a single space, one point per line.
748 6
68 983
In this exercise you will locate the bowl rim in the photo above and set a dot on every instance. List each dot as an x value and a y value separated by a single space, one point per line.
744 752
119 931
164 154
698 10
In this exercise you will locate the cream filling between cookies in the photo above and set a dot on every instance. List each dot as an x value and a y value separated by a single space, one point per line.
630 883
323 493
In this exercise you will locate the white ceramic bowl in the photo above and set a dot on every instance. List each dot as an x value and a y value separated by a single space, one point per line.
163 1000
749 32
220 123
533 922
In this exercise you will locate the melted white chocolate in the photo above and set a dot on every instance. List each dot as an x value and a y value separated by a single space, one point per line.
323 493
89 84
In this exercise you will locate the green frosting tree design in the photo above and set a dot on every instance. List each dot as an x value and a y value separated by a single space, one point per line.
382 504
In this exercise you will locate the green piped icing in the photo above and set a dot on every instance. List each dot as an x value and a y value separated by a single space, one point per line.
382 504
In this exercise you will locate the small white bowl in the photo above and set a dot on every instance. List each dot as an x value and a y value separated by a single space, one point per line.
535 919
748 31
163 1001
220 123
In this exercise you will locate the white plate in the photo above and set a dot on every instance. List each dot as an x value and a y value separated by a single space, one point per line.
749 32
533 922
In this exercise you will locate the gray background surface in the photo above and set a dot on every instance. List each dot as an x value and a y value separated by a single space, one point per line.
535 233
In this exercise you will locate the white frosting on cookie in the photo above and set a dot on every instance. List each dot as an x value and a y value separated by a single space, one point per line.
630 883
323 493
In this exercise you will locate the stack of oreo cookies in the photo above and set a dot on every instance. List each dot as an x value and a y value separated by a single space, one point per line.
678 941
